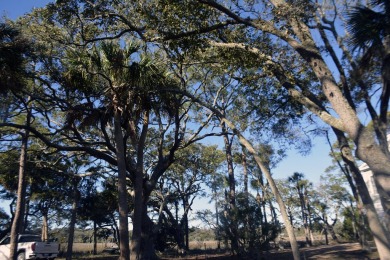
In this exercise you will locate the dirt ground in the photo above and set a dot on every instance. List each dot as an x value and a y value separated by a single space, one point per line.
333 252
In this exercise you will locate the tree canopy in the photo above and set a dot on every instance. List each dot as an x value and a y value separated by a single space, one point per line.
133 90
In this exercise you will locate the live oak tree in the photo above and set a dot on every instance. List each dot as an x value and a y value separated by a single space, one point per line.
329 202
293 26
182 184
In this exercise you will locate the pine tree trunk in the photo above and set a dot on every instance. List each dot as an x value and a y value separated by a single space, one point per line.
45 230
17 224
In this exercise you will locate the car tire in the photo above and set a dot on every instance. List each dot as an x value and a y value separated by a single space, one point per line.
21 256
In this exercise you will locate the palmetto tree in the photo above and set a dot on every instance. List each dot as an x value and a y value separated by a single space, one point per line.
301 185
369 27
370 32
132 86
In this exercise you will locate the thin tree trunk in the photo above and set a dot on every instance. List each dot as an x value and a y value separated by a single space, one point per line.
17 224
26 214
246 192
304 217
273 213
186 227
342 142
274 188
94 238
232 193
217 216
123 209
310 222
243 141
263 203
76 198
45 230
326 235
308 217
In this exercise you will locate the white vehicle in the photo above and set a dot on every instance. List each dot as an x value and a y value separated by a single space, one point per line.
29 247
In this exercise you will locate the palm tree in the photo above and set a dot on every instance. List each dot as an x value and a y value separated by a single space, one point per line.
370 32
133 86
301 185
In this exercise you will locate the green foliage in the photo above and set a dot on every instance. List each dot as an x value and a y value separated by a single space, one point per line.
5 223
199 234
254 234
14 48
239 57
368 27
349 225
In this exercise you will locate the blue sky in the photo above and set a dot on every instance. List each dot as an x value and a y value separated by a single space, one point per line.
15 8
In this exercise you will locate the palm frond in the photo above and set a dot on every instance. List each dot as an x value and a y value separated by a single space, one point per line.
366 27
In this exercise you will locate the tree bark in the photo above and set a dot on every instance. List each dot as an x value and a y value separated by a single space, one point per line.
290 231
304 215
215 196
123 209
367 148
246 192
232 192
94 238
17 224
381 237
76 198
45 230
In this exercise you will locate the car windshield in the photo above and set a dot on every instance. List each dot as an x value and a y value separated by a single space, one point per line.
23 239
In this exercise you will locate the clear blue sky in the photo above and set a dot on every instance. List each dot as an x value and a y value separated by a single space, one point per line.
15 8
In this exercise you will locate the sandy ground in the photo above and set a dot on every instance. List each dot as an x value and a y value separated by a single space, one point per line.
333 252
